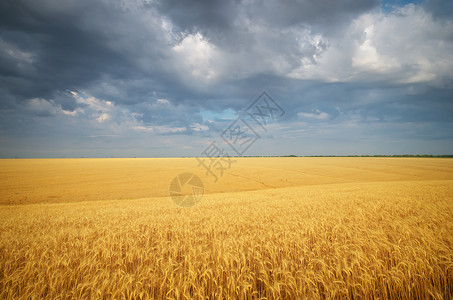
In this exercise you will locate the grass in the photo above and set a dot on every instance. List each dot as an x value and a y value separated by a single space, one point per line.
315 228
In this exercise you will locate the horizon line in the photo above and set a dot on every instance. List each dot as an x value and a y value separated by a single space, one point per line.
248 156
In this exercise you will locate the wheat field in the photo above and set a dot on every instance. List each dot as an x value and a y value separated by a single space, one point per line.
304 228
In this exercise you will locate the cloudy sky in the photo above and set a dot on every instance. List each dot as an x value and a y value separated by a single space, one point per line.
156 78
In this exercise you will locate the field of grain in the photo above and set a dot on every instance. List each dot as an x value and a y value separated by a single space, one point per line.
269 228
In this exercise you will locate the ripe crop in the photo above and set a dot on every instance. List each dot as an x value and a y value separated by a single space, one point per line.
272 228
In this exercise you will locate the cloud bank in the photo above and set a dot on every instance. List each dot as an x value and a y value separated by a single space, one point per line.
164 78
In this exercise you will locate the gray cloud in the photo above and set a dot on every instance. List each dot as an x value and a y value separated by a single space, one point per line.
439 8
140 72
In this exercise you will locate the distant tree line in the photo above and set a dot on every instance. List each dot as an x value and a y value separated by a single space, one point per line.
379 155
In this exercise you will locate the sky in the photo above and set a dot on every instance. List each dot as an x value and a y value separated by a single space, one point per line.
155 78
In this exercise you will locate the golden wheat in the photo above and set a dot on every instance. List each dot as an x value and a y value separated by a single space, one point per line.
358 236
24 181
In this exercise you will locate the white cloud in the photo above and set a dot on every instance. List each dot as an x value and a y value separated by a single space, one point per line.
162 101
99 110
198 57
406 46
199 127
260 49
69 113
315 114
367 58
103 117
119 119
160 129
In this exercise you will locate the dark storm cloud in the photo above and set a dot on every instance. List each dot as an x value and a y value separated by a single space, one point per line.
220 17
440 8
49 47
61 55
324 12
217 15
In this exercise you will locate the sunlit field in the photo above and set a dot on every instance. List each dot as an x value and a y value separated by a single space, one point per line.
311 228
